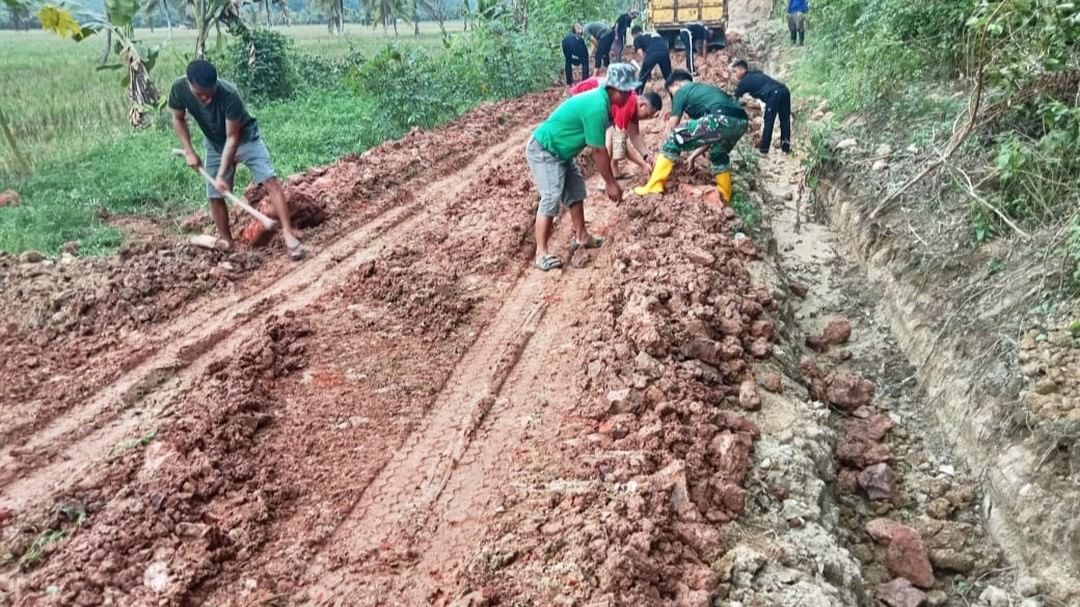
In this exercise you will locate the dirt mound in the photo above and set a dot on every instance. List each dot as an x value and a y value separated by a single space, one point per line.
304 212
63 317
191 500
146 284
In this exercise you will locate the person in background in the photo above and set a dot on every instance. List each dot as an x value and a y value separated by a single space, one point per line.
576 53
602 37
652 51
622 25
695 36
796 20
579 122
231 137
777 100
716 121
625 119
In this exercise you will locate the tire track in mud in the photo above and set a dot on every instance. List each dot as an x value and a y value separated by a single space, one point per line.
146 391
444 481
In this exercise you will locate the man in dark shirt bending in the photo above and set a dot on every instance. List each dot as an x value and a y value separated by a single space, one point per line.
231 137
652 51
576 53
695 36
777 100
622 25
602 37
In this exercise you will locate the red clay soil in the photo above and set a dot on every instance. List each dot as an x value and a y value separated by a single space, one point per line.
77 328
412 416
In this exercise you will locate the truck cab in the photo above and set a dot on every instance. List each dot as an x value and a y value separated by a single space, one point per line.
668 17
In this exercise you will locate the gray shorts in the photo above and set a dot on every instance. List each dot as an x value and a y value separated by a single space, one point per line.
252 154
559 181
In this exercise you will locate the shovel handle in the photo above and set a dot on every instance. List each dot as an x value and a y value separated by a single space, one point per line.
233 198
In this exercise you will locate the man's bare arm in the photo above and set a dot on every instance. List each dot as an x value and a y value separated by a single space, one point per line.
603 165
180 125
634 132
636 151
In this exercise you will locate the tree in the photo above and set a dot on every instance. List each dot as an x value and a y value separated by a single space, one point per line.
387 11
212 14
161 6
335 10
19 12
440 11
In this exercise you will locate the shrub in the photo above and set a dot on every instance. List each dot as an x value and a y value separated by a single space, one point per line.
260 65
407 86
320 73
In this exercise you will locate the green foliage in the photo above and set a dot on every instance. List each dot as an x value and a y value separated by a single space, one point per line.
1036 175
746 210
33 554
314 71
1074 253
819 155
904 63
261 65
414 89
877 53
1027 38
407 85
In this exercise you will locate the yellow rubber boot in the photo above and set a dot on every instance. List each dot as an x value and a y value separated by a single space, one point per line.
723 185
660 175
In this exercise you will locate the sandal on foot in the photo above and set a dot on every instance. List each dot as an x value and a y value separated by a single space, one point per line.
594 242
548 262
296 251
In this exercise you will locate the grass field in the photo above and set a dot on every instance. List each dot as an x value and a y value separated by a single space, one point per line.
70 121
58 106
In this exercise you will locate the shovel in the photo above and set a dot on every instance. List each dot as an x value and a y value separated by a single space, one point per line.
266 222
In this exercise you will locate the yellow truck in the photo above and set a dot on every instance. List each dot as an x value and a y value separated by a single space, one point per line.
669 16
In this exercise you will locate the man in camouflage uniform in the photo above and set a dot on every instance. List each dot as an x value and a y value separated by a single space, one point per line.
716 120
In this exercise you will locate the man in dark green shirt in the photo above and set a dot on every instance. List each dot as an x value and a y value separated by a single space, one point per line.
716 120
231 136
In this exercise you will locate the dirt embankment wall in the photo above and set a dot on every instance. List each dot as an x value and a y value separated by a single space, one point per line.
1008 415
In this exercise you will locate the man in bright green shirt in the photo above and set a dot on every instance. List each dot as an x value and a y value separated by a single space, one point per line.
579 122
716 120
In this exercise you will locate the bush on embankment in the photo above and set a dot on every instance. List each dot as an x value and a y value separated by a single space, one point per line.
912 68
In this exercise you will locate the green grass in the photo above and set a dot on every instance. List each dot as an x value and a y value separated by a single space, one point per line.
71 122
33 554
59 107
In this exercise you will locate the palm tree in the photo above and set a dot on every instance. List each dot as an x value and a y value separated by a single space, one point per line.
387 11
335 9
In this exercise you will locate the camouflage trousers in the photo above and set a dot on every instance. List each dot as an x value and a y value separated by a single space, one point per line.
715 130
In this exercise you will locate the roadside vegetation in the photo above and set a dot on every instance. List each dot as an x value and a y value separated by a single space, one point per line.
317 96
982 98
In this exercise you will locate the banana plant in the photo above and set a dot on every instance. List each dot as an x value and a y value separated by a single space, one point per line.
117 21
